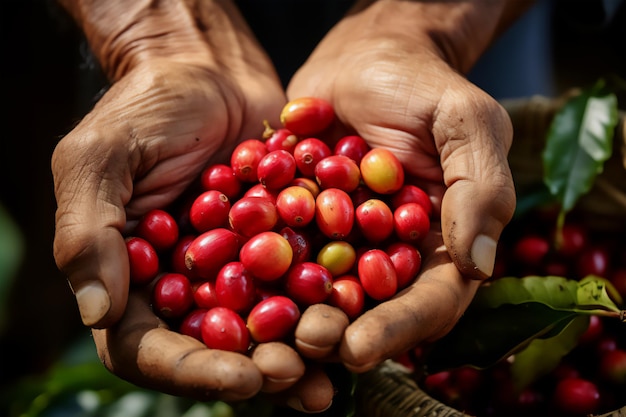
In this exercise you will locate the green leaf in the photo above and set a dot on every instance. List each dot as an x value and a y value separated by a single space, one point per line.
11 255
543 355
484 337
580 140
556 292
508 314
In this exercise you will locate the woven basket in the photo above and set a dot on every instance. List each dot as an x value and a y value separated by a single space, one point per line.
390 390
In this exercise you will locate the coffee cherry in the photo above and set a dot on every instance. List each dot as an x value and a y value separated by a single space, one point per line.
234 287
296 206
267 256
613 367
273 319
409 193
576 397
382 171
334 213
307 183
221 177
307 153
177 257
280 139
407 261
411 223
210 251
307 116
172 295
337 256
249 215
245 159
337 171
209 211
300 244
348 295
308 283
224 329
377 274
531 250
352 146
276 169
375 220
143 260
159 228
191 324
205 294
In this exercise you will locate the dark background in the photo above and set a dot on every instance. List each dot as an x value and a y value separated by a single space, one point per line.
49 82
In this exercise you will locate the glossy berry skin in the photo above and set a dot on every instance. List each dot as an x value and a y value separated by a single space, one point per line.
210 251
273 319
407 261
300 244
593 261
276 169
172 295
307 153
257 190
280 139
334 213
377 274
159 228
209 211
143 260
411 223
224 329
409 193
382 171
221 177
250 216
308 283
375 220
337 256
245 159
337 171
348 295
307 116
307 183
177 257
234 287
205 294
352 146
576 397
267 256
296 206
190 325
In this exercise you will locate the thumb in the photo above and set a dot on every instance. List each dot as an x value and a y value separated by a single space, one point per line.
88 243
479 200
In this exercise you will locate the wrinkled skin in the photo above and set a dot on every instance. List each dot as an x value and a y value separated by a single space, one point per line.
162 122
453 140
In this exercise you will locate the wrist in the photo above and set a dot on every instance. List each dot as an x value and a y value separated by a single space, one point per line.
206 33
458 31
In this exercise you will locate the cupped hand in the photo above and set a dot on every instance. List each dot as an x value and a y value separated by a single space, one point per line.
399 93
145 141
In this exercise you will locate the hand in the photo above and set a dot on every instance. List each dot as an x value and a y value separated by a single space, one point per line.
396 90
143 143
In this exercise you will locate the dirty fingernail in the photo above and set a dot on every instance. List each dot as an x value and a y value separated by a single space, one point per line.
93 302
484 254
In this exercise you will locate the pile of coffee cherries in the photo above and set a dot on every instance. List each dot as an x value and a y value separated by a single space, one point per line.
289 222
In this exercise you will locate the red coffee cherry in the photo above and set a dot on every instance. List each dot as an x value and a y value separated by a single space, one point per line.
143 260
159 228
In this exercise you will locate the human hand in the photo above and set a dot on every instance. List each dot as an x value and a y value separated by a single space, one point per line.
394 86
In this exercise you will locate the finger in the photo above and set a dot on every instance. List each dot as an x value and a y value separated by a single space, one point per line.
319 331
313 393
88 245
474 137
141 349
280 365
424 311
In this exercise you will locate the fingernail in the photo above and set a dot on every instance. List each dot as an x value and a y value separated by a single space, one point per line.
93 302
484 254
